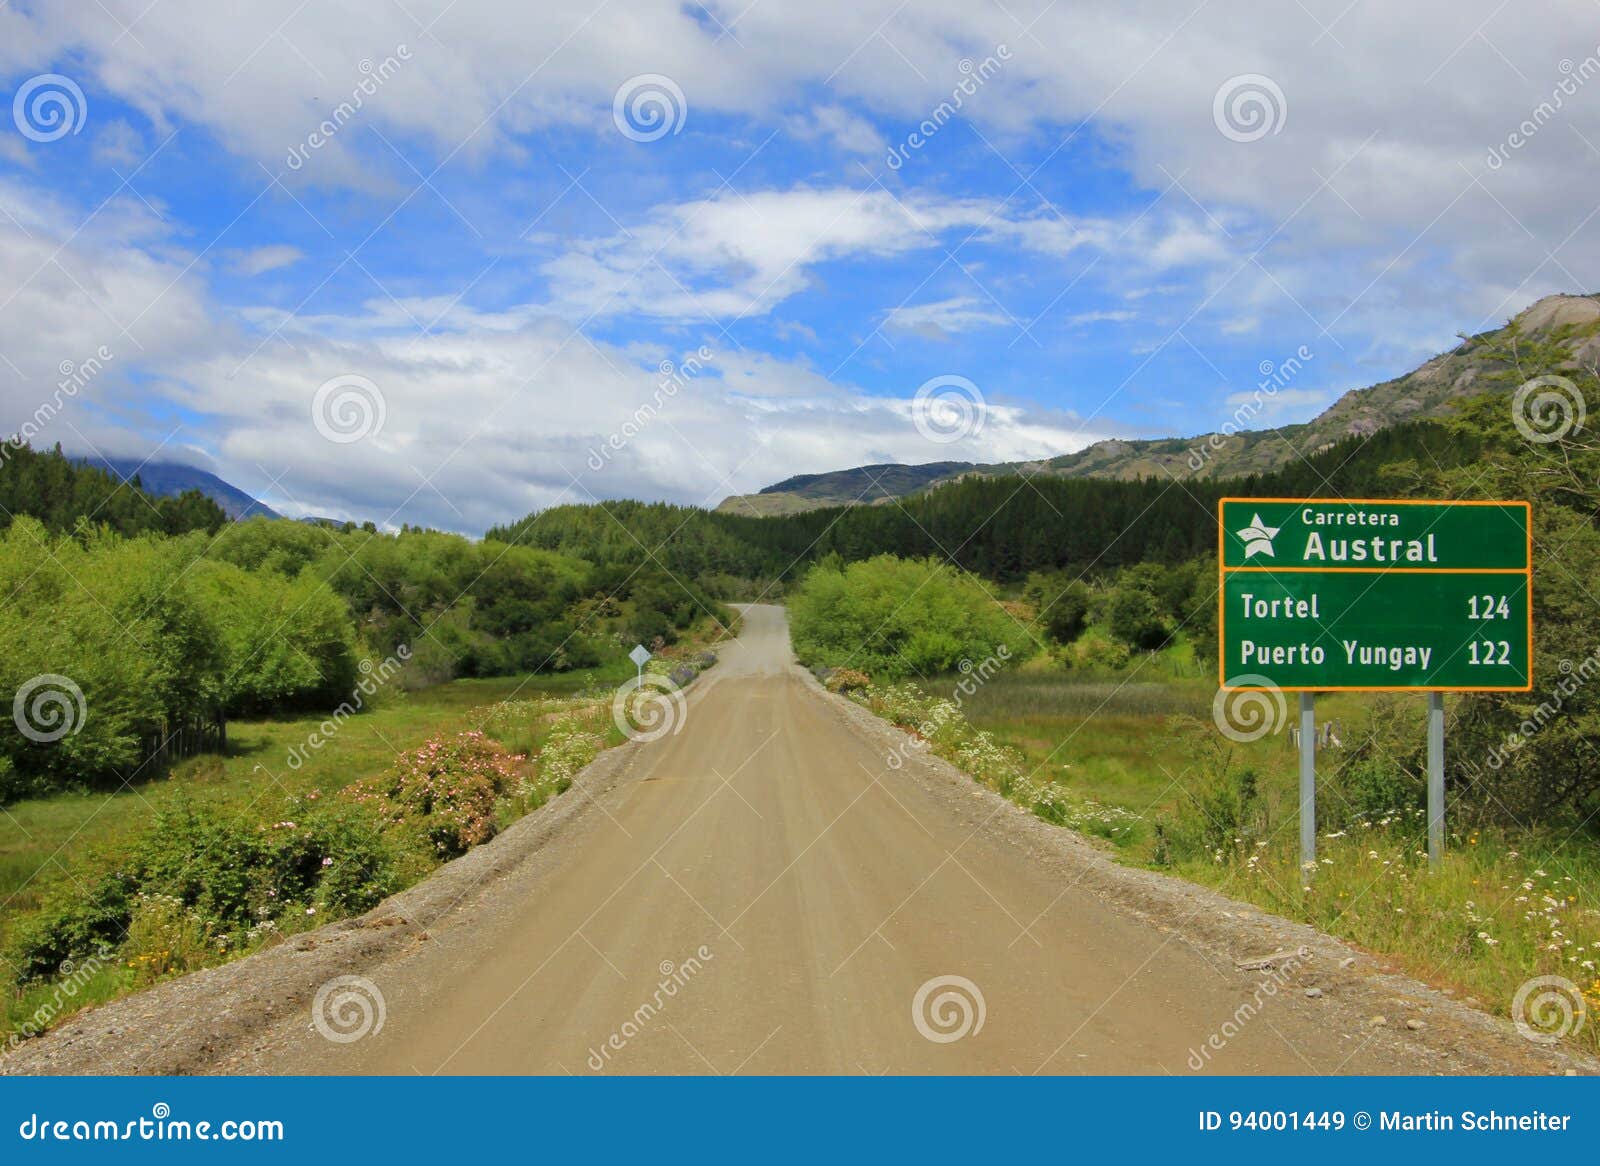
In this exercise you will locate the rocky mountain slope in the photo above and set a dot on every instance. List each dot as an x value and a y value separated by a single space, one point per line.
1561 331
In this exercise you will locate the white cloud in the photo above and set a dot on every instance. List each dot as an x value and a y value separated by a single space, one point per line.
1284 406
260 260
851 132
940 319
119 144
1113 316
487 416
734 255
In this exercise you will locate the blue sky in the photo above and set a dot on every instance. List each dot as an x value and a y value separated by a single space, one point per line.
1118 221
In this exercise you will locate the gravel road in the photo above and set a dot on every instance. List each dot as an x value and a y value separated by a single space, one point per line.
762 892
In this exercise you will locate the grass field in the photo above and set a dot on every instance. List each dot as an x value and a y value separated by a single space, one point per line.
42 841
1505 907
52 842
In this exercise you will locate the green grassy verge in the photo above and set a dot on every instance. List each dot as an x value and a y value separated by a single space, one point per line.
1083 750
271 787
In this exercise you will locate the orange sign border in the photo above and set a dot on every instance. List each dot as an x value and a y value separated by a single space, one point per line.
1223 572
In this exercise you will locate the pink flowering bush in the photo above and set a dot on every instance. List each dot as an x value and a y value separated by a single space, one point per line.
442 794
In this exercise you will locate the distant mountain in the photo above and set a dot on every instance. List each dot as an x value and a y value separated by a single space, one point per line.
172 478
863 484
1564 328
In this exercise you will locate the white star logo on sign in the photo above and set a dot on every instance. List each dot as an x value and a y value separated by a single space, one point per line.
1258 537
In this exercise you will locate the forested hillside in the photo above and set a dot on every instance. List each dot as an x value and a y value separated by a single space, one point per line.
60 492
155 620
1004 528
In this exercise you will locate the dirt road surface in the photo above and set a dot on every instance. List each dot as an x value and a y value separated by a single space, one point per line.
762 892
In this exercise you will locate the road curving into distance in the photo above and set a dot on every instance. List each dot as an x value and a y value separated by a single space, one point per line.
761 892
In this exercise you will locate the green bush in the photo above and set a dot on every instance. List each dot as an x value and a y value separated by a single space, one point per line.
1063 605
896 617
1134 616
229 878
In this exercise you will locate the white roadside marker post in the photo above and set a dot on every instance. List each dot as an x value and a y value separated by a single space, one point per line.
640 656
1308 783
1435 779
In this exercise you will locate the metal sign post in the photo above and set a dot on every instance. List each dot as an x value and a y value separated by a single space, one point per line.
1435 779
640 657
1374 595
1308 782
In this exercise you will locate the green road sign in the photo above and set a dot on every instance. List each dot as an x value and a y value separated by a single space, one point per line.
1329 594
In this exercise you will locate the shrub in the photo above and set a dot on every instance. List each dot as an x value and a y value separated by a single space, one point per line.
847 680
441 795
894 618
567 750
200 877
165 936
1062 603
71 925
1134 616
